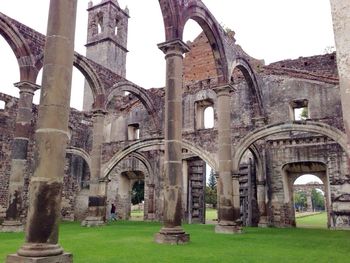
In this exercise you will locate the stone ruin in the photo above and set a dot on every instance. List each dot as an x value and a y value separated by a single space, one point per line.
258 145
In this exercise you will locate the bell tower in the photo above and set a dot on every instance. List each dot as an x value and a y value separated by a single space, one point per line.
106 39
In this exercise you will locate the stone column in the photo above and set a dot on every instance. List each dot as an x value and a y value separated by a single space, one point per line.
13 222
309 202
51 140
97 197
228 184
261 196
172 231
341 27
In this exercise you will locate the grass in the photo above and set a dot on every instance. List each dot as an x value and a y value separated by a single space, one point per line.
132 241
313 221
211 214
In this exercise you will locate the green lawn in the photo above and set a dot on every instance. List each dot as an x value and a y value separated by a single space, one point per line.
123 241
211 214
313 221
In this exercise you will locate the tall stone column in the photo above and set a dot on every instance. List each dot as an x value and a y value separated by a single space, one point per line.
97 197
172 231
309 202
228 183
261 196
341 27
51 140
13 221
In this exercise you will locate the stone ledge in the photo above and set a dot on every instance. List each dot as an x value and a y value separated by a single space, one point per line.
64 258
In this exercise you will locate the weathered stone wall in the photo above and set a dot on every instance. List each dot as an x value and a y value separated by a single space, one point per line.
305 150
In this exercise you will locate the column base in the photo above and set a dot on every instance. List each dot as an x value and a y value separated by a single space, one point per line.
173 236
12 226
263 221
64 258
91 221
228 228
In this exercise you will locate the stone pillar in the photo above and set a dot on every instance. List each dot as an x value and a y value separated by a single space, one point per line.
151 202
172 231
309 202
341 27
51 140
97 197
13 222
228 184
261 196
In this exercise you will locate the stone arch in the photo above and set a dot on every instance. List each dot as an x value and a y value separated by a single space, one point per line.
293 170
198 12
152 142
141 94
121 179
20 48
80 152
169 11
308 126
251 79
88 71
137 156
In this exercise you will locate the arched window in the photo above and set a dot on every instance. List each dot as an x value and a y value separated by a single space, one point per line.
209 117
204 114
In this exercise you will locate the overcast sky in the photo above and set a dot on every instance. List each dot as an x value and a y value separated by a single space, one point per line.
270 29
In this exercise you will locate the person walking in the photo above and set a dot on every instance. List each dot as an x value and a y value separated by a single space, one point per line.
113 214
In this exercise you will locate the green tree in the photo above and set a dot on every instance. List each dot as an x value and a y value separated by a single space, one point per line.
300 201
212 180
137 193
317 200
304 114
211 190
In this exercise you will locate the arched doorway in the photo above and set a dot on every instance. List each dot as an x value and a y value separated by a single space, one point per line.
301 198
137 200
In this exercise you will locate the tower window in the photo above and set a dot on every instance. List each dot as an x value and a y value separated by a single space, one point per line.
99 23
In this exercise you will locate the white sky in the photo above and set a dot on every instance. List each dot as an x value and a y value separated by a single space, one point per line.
269 29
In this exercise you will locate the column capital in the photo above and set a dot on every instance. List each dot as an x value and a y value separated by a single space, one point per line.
261 182
27 86
176 47
98 112
224 90
235 175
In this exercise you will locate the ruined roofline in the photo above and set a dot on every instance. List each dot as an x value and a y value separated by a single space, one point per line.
318 68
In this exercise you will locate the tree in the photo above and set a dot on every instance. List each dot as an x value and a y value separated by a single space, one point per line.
317 200
137 193
210 190
304 114
212 180
300 201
